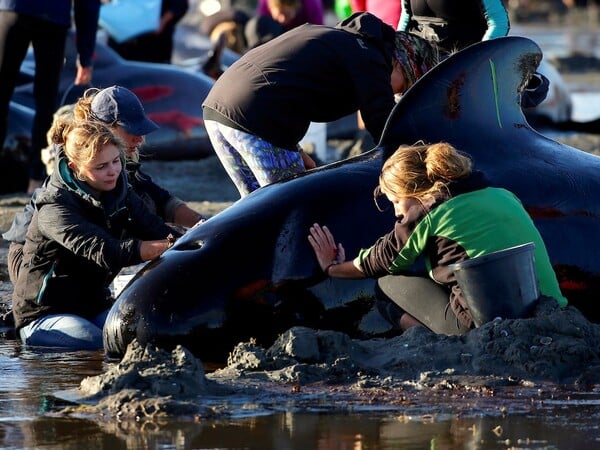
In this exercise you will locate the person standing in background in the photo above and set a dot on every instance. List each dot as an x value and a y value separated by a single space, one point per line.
156 46
454 24
44 25
388 10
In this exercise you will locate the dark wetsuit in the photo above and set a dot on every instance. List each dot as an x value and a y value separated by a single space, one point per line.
454 24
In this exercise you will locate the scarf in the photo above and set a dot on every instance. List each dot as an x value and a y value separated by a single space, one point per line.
415 55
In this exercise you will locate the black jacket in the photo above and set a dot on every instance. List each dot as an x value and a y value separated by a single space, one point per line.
76 245
311 73
158 200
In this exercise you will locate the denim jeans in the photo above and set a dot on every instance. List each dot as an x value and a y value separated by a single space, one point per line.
65 331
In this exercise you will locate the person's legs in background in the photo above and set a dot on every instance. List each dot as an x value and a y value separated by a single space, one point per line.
49 50
15 36
250 161
230 158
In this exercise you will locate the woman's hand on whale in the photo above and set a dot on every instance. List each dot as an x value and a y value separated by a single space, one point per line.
331 256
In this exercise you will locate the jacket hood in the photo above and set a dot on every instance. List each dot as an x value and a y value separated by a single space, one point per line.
369 27
477 180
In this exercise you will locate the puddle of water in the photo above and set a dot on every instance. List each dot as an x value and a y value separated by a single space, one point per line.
525 418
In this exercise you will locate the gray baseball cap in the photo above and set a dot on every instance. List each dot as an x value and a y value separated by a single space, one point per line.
118 105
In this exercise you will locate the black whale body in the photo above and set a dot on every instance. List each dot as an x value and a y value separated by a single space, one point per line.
250 272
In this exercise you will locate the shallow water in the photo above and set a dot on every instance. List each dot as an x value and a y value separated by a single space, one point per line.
519 416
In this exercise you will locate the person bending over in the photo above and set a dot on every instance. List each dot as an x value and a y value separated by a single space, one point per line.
446 212
88 225
260 108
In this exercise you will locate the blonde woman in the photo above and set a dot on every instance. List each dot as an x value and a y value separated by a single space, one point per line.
120 109
88 224
446 212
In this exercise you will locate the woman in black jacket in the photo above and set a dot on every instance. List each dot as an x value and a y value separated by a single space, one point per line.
120 109
88 225
260 108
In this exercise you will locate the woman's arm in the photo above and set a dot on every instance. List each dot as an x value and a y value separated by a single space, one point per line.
153 249
186 216
331 256
309 163
71 227
405 16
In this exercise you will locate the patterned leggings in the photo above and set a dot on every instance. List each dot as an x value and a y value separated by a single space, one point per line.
250 161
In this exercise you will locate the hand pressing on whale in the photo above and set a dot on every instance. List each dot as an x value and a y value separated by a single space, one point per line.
331 256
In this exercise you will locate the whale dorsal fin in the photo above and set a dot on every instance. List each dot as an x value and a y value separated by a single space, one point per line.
477 87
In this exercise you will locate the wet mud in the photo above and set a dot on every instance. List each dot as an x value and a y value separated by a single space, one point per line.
311 368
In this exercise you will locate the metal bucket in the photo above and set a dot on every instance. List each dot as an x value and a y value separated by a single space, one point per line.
500 284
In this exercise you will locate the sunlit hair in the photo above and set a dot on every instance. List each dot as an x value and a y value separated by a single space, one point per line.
422 171
83 141
59 129
82 111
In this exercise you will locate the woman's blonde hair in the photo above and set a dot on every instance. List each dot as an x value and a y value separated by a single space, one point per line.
59 129
84 140
71 115
82 109
422 171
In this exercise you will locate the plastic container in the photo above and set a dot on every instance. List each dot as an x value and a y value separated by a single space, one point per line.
500 284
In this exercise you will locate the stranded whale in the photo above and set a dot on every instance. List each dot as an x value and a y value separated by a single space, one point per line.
249 272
